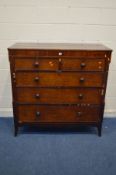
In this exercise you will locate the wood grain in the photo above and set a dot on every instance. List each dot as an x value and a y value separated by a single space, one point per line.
59 83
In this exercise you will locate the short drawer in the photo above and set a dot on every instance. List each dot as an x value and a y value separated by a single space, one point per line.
42 113
65 79
65 64
59 95
23 63
83 64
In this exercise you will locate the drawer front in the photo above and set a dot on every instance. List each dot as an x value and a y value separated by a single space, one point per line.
70 63
40 113
59 96
60 79
74 53
88 64
57 53
36 64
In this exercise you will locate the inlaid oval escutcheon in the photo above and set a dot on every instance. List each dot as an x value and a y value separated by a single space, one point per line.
80 96
79 114
37 113
83 65
60 53
82 79
36 64
37 95
36 79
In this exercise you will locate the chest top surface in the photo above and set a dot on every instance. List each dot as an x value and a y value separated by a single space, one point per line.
61 46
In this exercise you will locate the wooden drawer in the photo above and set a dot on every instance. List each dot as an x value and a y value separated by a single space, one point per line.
82 64
59 96
56 52
43 113
65 79
67 63
74 53
36 64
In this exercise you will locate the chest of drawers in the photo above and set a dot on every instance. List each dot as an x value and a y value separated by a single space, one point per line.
59 85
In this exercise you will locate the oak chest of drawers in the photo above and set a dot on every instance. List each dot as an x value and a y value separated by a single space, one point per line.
59 84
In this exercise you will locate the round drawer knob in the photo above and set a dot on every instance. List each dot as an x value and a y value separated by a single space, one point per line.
79 114
83 65
37 95
36 79
80 96
36 64
82 79
37 113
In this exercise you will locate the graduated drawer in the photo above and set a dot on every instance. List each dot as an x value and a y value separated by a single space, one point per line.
43 113
53 64
59 95
65 79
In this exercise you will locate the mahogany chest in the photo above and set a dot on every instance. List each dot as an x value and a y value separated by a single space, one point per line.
59 84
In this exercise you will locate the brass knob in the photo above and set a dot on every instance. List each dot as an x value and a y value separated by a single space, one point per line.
37 95
36 64
79 114
83 65
37 113
36 79
82 79
80 96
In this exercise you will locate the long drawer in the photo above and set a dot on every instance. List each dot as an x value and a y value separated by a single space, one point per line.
53 64
59 95
42 113
56 52
65 79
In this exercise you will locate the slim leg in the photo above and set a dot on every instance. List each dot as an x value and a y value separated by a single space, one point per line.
99 129
100 123
15 126
15 119
15 129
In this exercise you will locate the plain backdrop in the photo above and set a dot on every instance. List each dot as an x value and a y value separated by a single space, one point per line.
56 21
